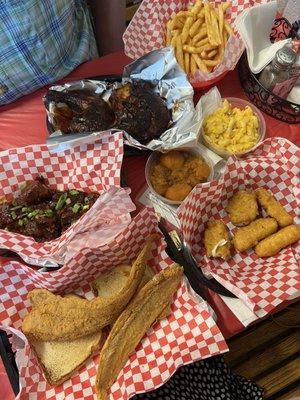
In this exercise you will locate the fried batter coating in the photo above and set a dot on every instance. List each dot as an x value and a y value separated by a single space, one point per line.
242 208
172 160
159 179
216 240
178 191
133 323
274 243
61 318
249 236
273 207
196 171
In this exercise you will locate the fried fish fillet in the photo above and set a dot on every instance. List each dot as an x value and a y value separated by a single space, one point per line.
132 325
115 279
242 208
273 207
274 243
216 239
54 317
249 236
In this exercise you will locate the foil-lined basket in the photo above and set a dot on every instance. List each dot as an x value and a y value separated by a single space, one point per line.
159 68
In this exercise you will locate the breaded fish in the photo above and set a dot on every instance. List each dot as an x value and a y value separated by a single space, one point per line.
242 208
115 279
132 325
216 240
273 207
274 243
54 317
249 236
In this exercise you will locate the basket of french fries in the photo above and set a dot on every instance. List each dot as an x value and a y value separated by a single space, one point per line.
202 34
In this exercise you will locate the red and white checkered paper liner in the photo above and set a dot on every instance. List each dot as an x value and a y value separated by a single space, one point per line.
188 334
261 283
146 31
91 164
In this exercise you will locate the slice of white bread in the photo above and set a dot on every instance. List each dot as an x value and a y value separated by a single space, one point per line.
111 282
60 360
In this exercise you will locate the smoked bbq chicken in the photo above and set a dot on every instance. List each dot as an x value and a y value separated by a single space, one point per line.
134 107
44 213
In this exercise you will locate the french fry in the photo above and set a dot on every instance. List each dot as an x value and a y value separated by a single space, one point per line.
174 42
215 26
184 14
228 28
179 51
221 20
202 33
195 27
169 33
197 7
208 55
201 42
208 22
212 53
199 63
201 13
187 58
211 63
193 66
186 28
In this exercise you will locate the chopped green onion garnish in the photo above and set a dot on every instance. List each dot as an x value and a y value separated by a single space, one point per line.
73 192
86 200
76 208
23 185
48 213
33 214
13 215
25 209
61 202
86 207
15 208
25 221
68 201
20 222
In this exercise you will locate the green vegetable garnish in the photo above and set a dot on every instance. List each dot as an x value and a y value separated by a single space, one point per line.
61 202
25 209
73 192
15 208
86 200
25 221
20 222
48 213
76 208
86 207
13 215
23 186
33 214
68 201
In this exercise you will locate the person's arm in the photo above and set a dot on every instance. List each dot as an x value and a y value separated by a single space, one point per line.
109 20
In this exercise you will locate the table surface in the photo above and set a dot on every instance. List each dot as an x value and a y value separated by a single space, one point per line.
23 122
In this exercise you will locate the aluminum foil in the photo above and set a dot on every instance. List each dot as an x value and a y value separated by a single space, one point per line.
161 69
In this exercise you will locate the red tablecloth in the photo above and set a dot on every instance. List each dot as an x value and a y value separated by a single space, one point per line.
23 123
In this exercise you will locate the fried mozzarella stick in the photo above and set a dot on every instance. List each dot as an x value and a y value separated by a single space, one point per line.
273 207
274 243
54 317
242 208
250 235
133 323
216 240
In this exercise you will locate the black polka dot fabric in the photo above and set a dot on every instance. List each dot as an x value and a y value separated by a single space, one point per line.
209 379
